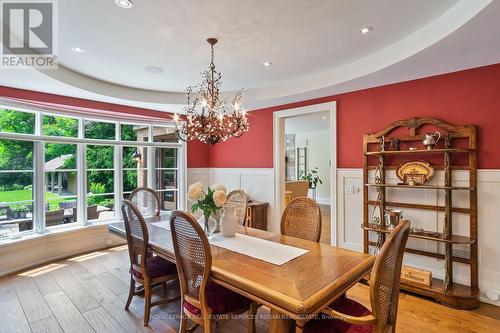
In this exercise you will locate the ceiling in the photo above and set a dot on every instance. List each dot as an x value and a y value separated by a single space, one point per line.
315 47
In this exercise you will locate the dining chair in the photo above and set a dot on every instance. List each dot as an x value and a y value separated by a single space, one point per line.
202 300
298 188
146 200
145 269
239 200
345 315
302 219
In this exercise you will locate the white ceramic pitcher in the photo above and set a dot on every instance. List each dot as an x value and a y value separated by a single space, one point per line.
228 221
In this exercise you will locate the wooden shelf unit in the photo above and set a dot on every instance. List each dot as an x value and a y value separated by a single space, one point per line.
445 291
425 234
418 151
423 187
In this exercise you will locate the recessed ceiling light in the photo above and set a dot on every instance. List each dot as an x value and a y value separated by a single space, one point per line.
76 49
153 69
267 64
324 117
366 30
124 3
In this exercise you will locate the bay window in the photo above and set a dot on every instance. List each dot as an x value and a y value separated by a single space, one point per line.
58 170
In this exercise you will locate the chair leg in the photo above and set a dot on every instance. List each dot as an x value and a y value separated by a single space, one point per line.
207 325
183 323
252 313
147 303
130 293
299 326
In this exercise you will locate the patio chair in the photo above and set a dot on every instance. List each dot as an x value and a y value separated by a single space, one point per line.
92 213
55 217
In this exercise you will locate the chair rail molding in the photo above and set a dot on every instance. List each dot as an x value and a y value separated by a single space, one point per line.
258 183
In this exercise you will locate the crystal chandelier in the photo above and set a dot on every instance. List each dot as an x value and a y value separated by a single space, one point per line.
208 118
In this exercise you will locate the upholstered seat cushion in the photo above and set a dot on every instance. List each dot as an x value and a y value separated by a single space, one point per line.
326 324
157 267
220 300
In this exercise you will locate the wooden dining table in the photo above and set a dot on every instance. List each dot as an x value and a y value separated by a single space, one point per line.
294 291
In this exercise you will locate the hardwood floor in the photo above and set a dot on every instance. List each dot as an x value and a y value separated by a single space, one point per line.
87 293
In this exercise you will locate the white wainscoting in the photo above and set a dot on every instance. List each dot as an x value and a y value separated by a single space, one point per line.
258 183
350 215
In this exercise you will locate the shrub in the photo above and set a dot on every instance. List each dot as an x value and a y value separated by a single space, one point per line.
97 188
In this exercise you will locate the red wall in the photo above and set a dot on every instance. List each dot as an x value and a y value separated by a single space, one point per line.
465 97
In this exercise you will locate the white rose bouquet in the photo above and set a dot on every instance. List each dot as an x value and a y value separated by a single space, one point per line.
209 201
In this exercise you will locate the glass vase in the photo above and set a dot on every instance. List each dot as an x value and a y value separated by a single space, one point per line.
209 225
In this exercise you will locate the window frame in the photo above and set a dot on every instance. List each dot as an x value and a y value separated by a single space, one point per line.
39 140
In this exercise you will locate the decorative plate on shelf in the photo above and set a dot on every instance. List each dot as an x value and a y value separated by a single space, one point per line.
415 172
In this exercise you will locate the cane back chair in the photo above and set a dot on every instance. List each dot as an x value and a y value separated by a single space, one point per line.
147 200
202 300
145 269
302 219
345 315
239 200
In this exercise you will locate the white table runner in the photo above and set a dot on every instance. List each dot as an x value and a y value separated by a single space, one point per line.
271 252
164 225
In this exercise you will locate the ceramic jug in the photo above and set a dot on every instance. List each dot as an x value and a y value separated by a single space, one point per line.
228 221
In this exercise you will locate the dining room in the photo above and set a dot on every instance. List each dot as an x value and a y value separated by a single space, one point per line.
284 166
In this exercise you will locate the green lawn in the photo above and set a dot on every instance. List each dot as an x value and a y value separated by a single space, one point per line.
22 195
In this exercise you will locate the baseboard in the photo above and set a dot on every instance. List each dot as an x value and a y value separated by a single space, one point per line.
37 251
324 200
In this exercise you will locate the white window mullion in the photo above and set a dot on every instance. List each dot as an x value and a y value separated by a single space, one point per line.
38 178
118 173
81 184
182 176
38 187
151 160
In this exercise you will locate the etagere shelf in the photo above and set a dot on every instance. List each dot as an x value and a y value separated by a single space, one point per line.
459 141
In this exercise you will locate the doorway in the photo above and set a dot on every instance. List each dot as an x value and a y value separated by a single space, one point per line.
305 143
